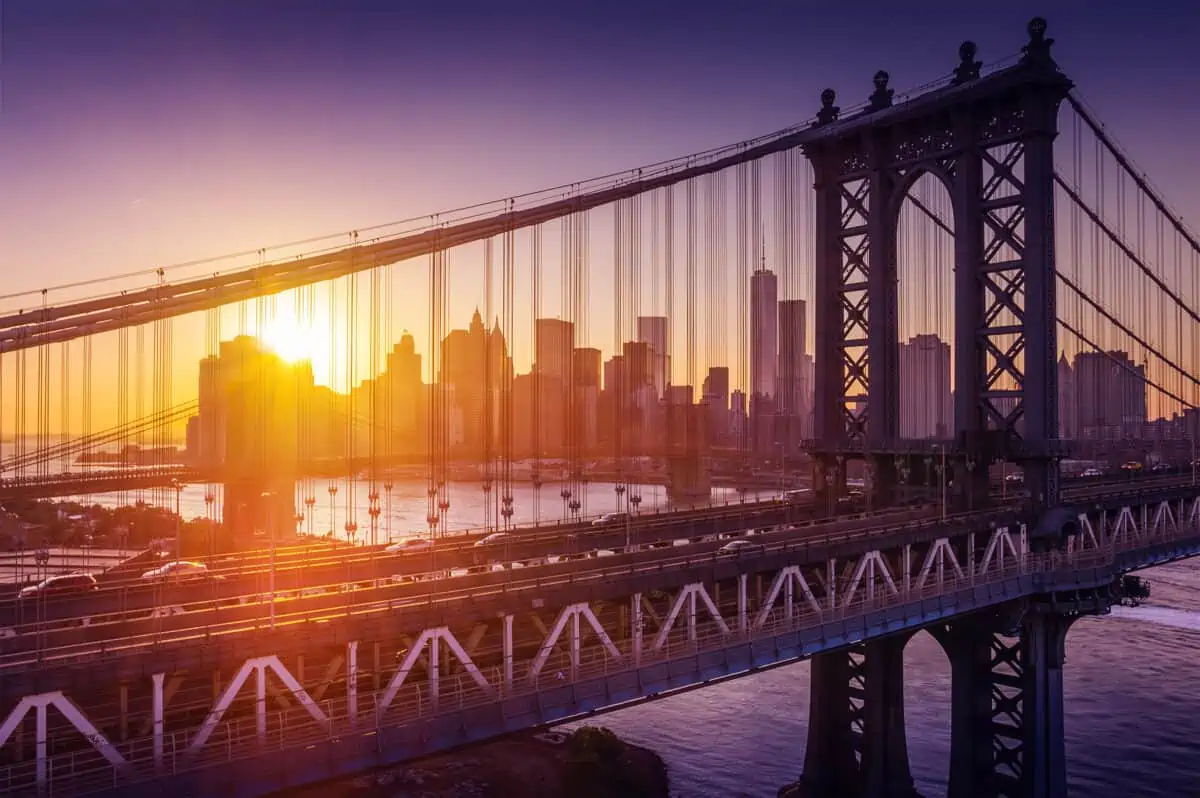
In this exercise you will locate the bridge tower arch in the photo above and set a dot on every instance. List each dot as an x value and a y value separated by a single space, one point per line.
989 138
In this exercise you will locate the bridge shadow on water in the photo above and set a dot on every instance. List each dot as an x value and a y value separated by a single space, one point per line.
1132 713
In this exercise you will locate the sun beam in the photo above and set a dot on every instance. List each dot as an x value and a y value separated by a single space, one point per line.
295 342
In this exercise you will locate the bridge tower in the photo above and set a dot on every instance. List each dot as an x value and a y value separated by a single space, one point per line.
989 140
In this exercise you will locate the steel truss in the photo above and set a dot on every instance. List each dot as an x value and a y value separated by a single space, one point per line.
989 141
418 691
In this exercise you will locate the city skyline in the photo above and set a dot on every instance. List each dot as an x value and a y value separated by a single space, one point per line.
416 364
154 190
330 324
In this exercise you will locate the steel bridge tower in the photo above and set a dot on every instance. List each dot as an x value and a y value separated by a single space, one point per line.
989 140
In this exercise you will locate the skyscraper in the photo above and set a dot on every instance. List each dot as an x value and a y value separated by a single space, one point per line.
1110 393
764 331
587 367
555 340
716 387
653 330
926 403
791 389
715 394
1067 407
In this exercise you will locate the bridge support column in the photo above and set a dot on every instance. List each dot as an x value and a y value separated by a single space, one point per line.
1007 706
507 622
856 736
1043 643
638 628
156 716
743 605
352 681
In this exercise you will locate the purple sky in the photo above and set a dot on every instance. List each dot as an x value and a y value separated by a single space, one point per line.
140 132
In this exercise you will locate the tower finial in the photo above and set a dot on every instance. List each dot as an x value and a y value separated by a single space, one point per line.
1037 52
882 97
829 112
968 68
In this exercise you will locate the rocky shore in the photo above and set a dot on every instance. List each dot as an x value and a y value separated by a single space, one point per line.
590 762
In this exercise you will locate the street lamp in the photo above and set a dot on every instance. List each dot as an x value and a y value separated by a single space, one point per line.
332 495
268 495
1194 461
937 447
178 518
309 503
387 520
209 498
374 511
782 475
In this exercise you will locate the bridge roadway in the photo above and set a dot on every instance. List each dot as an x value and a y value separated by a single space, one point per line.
130 631
215 623
298 567
309 569
245 575
123 594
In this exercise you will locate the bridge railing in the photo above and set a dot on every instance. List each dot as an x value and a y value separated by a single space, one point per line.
181 628
187 627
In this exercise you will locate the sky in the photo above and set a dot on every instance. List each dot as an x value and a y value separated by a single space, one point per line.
140 133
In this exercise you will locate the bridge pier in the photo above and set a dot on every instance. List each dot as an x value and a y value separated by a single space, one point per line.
689 479
856 737
1007 705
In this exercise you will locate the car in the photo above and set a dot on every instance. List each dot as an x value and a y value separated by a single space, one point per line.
60 585
409 545
610 518
1159 468
1132 467
179 570
493 539
1017 478
1092 473
740 545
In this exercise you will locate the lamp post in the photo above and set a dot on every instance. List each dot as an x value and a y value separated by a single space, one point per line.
937 447
1194 461
374 511
178 518
209 499
387 519
332 495
268 496
782 475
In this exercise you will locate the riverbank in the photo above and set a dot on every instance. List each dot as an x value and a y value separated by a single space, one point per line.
588 763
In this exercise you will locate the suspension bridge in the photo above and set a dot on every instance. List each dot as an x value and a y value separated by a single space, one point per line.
941 350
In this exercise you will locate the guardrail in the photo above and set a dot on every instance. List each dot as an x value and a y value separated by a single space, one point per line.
180 628
252 611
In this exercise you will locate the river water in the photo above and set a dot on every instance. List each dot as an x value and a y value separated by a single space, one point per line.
404 509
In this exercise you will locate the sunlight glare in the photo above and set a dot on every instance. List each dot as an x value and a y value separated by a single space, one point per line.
292 341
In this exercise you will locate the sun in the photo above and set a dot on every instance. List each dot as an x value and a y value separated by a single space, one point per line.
293 341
